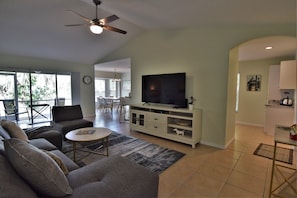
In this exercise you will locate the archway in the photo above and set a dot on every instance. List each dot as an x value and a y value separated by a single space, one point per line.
234 58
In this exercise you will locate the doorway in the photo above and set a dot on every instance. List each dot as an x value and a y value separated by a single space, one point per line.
245 52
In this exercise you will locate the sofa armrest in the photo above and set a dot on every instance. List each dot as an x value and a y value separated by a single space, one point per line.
53 136
43 144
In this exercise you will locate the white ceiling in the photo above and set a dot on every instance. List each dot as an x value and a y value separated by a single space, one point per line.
255 49
35 28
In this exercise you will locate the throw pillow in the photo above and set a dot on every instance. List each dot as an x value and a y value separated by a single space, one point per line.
58 160
37 168
13 185
14 130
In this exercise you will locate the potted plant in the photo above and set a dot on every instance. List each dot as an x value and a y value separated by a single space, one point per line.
191 103
293 132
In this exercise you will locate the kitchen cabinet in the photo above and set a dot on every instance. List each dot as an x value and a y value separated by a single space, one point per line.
277 115
287 75
273 83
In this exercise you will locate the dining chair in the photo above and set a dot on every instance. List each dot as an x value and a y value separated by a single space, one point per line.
11 109
100 103
108 104
124 103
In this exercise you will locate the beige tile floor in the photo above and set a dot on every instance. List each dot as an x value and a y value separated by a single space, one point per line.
207 171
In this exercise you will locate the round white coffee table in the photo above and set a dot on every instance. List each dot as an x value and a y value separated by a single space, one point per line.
89 134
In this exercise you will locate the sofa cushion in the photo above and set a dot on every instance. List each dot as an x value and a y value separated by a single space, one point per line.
12 185
14 130
113 177
62 113
66 160
37 168
58 160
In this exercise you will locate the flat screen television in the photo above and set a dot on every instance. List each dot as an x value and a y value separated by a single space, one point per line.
169 89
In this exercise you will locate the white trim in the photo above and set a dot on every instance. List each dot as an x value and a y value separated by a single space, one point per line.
213 145
249 124
218 145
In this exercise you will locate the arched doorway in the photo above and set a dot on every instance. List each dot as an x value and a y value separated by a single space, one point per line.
239 53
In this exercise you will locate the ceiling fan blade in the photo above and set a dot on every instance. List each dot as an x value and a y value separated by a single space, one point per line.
108 19
71 25
110 28
85 18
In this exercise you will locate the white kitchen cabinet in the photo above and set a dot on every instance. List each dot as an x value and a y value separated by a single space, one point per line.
273 83
277 115
287 75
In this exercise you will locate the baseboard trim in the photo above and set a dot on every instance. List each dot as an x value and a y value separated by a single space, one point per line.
212 144
249 124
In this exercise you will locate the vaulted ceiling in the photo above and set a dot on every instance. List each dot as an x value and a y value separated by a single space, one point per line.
35 28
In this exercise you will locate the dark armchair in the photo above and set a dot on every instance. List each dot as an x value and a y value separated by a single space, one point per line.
67 118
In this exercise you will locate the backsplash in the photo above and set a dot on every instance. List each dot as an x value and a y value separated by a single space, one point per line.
287 92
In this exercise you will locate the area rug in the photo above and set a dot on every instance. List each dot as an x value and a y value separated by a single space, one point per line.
282 154
154 157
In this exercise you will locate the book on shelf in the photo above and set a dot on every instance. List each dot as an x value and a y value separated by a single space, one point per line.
86 132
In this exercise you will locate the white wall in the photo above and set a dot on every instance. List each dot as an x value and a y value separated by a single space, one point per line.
203 53
251 103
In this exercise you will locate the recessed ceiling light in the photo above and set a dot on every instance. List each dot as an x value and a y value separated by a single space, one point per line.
268 47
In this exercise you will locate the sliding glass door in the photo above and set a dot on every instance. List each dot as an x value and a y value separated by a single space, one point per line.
36 92
43 95
63 89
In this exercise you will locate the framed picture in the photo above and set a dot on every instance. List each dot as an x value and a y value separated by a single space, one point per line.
253 83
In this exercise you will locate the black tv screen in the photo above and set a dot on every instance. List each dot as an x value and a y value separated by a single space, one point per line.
164 89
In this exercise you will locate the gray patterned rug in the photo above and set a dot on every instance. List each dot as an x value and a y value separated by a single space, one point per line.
282 154
151 156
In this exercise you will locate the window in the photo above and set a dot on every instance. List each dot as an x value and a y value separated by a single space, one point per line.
27 88
99 88
64 88
107 88
237 92
126 88
43 88
113 88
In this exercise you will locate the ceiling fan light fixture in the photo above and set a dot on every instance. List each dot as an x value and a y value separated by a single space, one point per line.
96 29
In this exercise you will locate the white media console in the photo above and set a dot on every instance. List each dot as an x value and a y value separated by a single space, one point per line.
181 125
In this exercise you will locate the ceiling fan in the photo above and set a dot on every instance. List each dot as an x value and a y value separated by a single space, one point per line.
98 25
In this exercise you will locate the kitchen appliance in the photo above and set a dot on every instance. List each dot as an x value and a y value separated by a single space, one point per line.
286 101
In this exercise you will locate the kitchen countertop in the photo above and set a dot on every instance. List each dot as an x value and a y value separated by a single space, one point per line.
279 106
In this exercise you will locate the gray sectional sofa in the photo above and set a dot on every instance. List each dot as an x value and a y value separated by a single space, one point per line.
36 168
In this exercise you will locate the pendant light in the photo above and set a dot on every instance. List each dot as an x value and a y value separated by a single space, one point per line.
115 79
